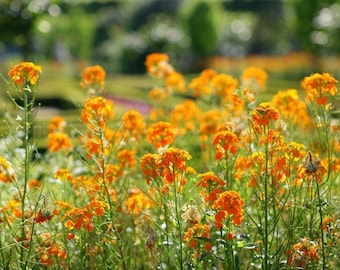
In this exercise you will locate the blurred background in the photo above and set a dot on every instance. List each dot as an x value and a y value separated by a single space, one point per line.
292 37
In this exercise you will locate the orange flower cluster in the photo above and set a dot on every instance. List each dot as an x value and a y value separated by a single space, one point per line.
291 108
212 186
7 173
93 79
57 123
49 251
157 64
57 139
160 134
229 203
303 254
202 85
169 165
198 230
320 87
96 112
254 78
225 143
25 73
76 218
185 116
137 201
263 114
133 125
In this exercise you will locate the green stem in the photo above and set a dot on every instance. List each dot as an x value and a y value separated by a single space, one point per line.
321 221
26 125
179 224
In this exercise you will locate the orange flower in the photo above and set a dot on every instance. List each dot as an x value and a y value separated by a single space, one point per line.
291 108
149 166
255 78
229 203
160 134
208 180
25 73
133 124
210 121
137 201
157 64
7 172
224 84
96 112
225 142
158 95
212 185
175 82
303 254
201 85
198 230
263 114
172 163
185 114
57 123
126 158
93 78
59 141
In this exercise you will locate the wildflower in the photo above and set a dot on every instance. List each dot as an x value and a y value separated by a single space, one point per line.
34 183
149 166
201 85
303 254
25 73
137 201
210 121
291 108
253 77
224 85
96 112
211 184
126 158
263 114
172 163
229 203
160 134
157 64
93 78
225 142
158 94
198 230
7 173
57 123
186 115
175 82
320 86
59 141
133 124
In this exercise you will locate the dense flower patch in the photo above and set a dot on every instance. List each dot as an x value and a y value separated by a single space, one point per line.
216 181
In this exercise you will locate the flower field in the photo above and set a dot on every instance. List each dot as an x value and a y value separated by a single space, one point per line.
212 181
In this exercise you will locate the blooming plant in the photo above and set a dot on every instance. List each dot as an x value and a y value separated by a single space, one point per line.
216 181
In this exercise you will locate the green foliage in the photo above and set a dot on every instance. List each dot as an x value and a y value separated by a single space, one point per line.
202 29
